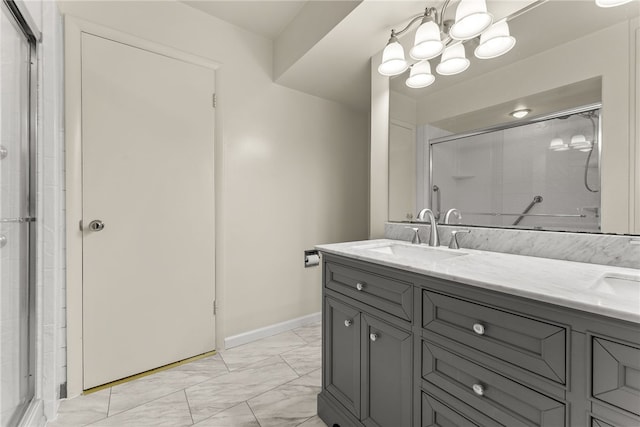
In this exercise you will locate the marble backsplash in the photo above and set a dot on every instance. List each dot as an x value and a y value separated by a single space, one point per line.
606 249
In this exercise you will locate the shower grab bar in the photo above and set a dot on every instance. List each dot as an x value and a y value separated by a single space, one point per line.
27 219
536 199
529 214
436 212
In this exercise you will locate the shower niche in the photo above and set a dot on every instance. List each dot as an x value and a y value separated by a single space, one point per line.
541 174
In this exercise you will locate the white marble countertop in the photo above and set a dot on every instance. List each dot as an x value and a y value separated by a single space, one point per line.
570 284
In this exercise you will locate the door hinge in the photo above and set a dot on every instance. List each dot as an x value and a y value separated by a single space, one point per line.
215 101
215 308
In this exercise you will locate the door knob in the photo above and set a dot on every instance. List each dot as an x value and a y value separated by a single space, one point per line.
96 225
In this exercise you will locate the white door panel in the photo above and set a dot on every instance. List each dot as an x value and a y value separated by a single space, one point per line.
147 153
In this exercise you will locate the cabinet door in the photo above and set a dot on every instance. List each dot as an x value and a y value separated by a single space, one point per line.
342 354
386 374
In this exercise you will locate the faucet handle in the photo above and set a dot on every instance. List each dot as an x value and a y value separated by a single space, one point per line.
453 243
416 237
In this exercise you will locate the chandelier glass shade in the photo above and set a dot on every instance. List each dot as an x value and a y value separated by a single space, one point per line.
472 19
420 75
393 62
496 41
612 3
453 60
437 37
428 43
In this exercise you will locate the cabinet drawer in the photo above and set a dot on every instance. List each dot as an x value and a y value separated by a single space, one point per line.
507 402
435 414
383 292
527 343
616 374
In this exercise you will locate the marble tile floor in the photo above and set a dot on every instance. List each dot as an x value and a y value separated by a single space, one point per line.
270 382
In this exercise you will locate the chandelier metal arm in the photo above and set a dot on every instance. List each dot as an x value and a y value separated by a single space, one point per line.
413 21
440 19
432 12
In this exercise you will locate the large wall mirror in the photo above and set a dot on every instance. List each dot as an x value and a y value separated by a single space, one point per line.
568 165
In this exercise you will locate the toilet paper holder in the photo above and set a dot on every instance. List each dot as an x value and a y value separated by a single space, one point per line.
311 258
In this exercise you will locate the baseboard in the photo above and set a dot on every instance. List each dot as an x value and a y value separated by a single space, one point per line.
267 331
34 415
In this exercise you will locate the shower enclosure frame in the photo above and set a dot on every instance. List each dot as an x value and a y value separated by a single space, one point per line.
17 10
523 122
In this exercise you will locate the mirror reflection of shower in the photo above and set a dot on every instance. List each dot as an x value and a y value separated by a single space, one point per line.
580 142
541 174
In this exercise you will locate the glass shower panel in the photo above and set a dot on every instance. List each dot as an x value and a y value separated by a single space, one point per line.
16 384
542 175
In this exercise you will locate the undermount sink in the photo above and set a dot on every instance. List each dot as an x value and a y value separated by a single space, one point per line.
619 285
413 252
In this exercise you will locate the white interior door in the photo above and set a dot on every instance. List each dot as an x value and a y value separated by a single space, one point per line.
147 158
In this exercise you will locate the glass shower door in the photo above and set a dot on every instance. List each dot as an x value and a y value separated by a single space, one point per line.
16 381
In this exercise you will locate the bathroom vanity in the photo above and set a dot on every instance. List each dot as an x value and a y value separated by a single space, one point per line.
420 336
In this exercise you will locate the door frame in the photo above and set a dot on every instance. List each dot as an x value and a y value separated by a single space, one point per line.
74 28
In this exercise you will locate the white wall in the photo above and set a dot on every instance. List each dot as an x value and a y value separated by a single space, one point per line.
290 167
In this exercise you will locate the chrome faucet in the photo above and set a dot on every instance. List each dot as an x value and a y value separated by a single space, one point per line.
453 243
453 211
434 238
416 237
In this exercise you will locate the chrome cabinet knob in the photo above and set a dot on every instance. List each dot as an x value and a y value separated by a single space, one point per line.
3 241
478 328
359 286
478 389
96 225
373 337
348 322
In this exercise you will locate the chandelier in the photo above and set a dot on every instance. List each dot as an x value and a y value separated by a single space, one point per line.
437 37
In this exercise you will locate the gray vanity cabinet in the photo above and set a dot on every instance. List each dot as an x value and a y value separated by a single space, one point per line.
367 348
404 349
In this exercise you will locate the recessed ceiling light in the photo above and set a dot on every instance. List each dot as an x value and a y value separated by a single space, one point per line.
518 114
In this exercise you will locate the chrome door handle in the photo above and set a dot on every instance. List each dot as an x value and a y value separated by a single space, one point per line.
96 225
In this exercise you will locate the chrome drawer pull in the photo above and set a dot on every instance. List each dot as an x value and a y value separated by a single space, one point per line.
359 286
478 328
373 337
478 389
348 322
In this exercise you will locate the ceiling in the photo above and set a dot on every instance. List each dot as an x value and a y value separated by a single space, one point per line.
266 18
334 63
